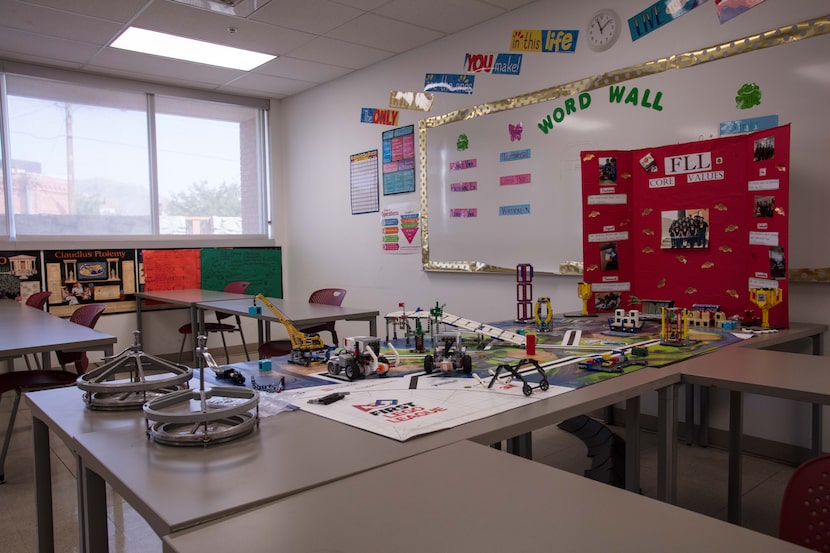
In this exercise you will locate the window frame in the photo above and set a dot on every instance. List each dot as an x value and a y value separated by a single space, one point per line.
9 239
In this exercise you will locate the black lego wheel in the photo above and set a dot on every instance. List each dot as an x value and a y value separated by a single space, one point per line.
334 368
526 389
428 364
544 385
467 364
352 370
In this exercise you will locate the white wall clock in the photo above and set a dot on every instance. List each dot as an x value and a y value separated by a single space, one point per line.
603 30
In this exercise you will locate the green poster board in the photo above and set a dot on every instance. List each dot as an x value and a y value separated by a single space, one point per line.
262 267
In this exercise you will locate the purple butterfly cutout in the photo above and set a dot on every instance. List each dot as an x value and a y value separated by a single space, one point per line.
515 131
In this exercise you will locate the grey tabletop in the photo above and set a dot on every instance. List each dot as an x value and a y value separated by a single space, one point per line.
25 330
469 498
188 297
177 487
298 311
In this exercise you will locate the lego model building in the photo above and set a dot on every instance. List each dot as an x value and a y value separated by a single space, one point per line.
674 326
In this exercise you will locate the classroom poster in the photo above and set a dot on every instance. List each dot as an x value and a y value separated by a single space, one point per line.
696 223
401 229
399 160
212 269
363 178
77 277
21 274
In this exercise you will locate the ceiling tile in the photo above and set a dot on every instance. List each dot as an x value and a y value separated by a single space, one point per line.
49 50
267 85
384 33
337 52
196 23
446 16
122 10
303 70
57 23
311 16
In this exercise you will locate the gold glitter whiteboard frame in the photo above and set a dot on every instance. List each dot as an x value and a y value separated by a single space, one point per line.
775 37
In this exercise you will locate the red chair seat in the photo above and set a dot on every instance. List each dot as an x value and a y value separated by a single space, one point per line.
275 348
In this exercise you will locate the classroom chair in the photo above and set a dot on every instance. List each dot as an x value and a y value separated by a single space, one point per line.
27 381
88 316
805 508
237 287
327 296
36 300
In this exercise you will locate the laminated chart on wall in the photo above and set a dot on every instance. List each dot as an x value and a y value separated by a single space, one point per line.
363 178
21 274
696 223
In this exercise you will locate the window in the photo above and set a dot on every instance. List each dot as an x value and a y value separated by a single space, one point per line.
91 161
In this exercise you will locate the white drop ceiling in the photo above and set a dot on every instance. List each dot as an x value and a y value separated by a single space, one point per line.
316 40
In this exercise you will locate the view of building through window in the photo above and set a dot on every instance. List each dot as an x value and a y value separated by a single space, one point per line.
82 163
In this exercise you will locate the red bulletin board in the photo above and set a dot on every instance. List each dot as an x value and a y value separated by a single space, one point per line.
171 269
697 223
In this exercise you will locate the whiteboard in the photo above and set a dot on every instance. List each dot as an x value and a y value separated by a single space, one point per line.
696 92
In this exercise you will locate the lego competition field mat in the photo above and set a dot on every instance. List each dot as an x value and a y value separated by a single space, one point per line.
405 401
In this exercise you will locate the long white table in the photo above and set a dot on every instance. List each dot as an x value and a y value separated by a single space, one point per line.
467 498
25 330
793 376
240 475
174 488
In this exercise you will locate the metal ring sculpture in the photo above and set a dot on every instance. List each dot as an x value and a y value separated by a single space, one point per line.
131 378
204 416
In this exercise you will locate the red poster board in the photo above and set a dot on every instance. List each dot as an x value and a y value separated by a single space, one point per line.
699 223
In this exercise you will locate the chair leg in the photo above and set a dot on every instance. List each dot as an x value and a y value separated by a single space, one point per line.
28 363
181 348
7 440
241 335
225 345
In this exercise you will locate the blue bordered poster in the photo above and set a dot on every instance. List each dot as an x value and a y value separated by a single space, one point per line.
399 160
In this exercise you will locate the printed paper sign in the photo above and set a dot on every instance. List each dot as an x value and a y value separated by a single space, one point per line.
379 116
555 41
495 64
658 14
421 101
450 83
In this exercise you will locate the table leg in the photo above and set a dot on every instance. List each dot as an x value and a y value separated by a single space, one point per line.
690 413
817 429
373 326
632 444
521 445
704 416
667 444
817 422
138 302
43 487
92 510
735 445
197 325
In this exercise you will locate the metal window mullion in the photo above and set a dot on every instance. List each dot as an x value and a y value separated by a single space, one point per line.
153 162
5 154
264 181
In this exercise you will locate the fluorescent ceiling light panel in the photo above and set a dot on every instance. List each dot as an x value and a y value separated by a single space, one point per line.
176 47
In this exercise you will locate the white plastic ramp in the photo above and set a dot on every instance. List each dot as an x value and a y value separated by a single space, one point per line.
487 330
466 324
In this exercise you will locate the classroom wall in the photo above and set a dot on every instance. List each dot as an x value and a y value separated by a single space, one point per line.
324 245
